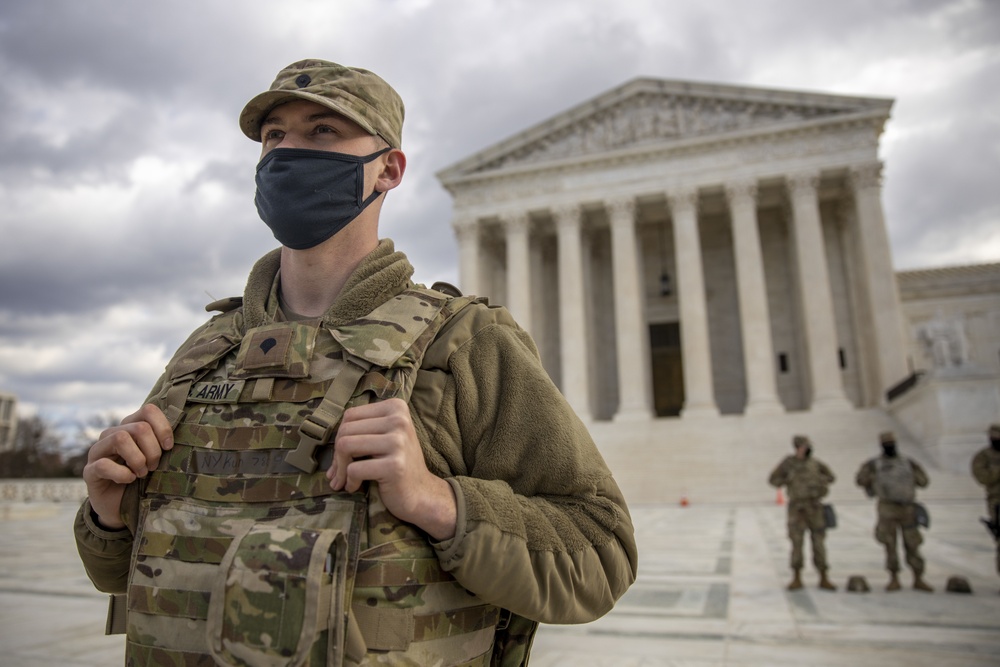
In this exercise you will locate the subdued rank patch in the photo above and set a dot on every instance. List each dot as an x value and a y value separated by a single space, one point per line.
280 350
268 348
227 391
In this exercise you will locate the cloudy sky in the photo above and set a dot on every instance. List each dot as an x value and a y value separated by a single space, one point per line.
126 187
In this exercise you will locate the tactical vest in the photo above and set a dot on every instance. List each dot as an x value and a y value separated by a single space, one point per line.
894 480
807 482
244 555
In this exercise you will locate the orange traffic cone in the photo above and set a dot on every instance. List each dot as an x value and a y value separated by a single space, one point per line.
780 499
684 501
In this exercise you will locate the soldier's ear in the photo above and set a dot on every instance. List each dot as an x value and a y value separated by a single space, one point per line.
393 166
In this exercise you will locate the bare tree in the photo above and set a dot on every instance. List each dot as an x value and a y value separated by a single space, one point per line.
36 452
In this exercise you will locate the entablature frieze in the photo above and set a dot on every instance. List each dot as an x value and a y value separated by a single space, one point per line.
642 172
650 119
749 145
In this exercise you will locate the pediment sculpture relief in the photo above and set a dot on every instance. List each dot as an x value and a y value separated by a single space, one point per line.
650 118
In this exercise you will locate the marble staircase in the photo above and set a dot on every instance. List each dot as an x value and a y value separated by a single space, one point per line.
728 459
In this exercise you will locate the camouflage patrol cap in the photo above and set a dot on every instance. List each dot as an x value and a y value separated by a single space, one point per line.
995 431
886 436
357 94
800 441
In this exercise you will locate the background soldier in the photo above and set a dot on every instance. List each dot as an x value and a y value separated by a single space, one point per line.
807 481
986 470
894 480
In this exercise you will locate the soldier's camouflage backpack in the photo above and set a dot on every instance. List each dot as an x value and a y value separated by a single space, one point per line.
244 555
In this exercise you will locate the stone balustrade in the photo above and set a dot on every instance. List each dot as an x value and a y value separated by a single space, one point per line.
42 490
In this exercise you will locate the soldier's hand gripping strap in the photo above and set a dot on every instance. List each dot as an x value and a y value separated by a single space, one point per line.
318 428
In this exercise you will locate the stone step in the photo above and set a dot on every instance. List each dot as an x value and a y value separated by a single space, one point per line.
729 458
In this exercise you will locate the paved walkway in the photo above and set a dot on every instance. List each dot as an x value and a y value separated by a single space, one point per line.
710 594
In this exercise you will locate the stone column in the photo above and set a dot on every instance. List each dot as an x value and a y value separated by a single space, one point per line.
517 228
631 331
572 312
699 396
815 297
879 277
469 264
755 319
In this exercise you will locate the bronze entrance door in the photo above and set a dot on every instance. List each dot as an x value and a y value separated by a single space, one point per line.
668 371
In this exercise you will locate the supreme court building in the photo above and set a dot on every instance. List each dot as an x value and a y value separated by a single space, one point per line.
682 249
679 248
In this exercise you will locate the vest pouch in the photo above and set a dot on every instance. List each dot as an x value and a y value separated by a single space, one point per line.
278 591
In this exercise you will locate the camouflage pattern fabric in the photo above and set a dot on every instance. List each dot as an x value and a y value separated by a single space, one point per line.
894 480
355 93
806 515
986 471
895 519
244 559
808 481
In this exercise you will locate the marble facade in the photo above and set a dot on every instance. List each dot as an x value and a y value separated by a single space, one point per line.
693 249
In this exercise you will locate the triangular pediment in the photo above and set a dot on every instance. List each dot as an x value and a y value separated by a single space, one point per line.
654 112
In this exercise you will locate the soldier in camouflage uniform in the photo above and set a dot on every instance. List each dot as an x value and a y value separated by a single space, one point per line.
807 481
893 480
343 467
986 470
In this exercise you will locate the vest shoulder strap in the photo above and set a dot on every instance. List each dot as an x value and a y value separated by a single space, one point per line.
394 335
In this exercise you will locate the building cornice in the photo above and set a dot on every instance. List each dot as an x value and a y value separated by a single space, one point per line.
455 179
961 280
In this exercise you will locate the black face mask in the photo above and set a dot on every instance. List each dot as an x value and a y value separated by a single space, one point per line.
995 444
306 196
889 449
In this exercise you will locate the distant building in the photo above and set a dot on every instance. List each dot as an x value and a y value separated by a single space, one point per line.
720 254
8 421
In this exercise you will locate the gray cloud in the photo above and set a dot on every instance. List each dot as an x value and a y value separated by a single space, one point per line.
126 190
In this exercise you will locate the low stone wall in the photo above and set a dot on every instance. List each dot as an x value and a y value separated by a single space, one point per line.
42 490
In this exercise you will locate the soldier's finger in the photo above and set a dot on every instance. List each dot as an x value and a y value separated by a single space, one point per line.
375 411
110 470
337 472
126 448
157 421
360 471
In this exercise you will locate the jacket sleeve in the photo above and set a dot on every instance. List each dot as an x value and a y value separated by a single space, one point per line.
827 474
985 473
920 477
543 529
105 553
866 477
779 476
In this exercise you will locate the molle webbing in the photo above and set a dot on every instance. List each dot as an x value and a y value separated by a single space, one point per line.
254 416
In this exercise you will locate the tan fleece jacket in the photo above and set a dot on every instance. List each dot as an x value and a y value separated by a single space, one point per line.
543 529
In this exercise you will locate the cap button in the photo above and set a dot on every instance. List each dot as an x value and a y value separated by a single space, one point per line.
302 80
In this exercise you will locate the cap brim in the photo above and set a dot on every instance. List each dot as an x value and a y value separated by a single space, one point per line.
255 110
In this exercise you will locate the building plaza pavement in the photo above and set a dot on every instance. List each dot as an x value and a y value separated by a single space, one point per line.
710 593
